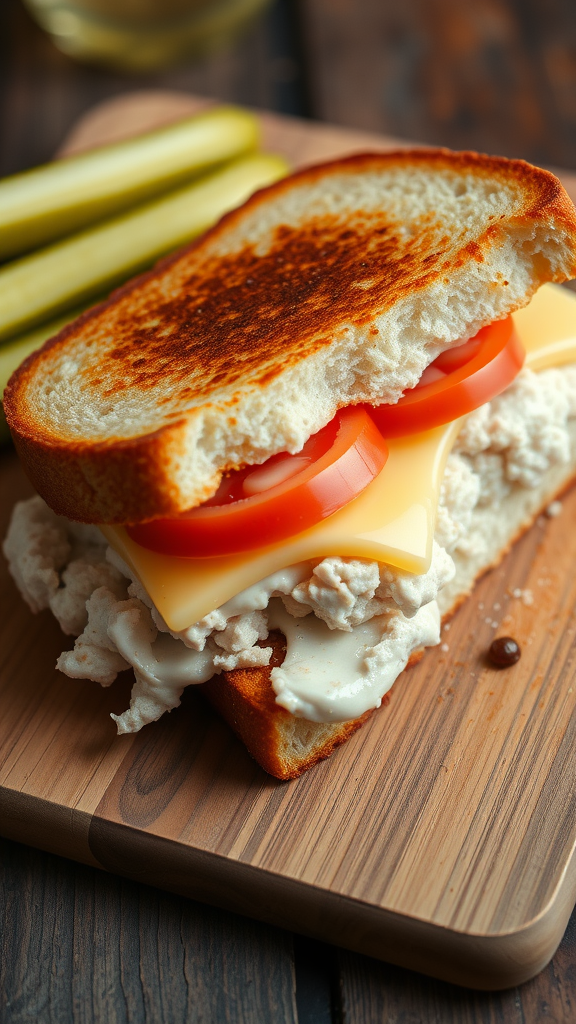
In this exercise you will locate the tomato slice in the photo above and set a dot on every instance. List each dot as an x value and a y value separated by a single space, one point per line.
259 505
457 382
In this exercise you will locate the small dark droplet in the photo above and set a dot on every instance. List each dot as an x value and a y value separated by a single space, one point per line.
504 651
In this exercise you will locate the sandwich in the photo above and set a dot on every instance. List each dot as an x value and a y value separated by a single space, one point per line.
275 463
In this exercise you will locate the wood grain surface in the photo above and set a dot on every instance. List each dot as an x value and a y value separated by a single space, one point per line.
494 75
164 969
440 837
375 992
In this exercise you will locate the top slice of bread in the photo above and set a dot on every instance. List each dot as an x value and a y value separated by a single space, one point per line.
335 286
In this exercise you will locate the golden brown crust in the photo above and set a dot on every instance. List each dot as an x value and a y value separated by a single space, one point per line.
171 329
91 482
223 316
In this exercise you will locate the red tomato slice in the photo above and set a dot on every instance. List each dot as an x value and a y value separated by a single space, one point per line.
259 505
456 357
457 382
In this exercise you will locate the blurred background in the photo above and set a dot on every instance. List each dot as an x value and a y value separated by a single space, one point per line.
495 75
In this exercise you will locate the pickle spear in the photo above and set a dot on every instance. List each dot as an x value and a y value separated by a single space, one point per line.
48 202
63 275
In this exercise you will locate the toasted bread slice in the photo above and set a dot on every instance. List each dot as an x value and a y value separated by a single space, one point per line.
338 285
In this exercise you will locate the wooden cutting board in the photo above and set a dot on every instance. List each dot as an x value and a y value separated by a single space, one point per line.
440 837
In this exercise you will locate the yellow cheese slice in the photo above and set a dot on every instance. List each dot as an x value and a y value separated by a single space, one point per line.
547 327
392 521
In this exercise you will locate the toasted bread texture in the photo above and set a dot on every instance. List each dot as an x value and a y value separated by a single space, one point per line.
335 286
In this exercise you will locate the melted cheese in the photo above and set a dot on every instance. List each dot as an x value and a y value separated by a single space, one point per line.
392 521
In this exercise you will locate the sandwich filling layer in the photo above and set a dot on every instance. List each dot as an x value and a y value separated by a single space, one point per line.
350 624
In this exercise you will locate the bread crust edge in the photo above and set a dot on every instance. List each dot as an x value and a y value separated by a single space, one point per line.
121 480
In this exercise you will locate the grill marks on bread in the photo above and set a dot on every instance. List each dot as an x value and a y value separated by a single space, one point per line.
247 316
335 286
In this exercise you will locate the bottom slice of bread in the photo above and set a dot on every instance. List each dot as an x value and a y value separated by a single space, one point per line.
286 746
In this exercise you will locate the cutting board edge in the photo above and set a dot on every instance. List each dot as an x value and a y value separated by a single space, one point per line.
49 826
488 962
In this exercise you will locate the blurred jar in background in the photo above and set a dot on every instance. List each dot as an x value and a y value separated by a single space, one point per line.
138 35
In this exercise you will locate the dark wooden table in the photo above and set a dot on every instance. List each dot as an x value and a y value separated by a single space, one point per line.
78 945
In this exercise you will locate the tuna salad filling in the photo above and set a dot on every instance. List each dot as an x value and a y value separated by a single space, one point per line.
351 625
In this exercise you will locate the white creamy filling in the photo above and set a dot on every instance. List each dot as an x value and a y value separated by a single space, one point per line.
328 675
380 613
350 624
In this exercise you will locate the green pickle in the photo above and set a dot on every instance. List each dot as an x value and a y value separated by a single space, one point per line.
48 202
76 269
